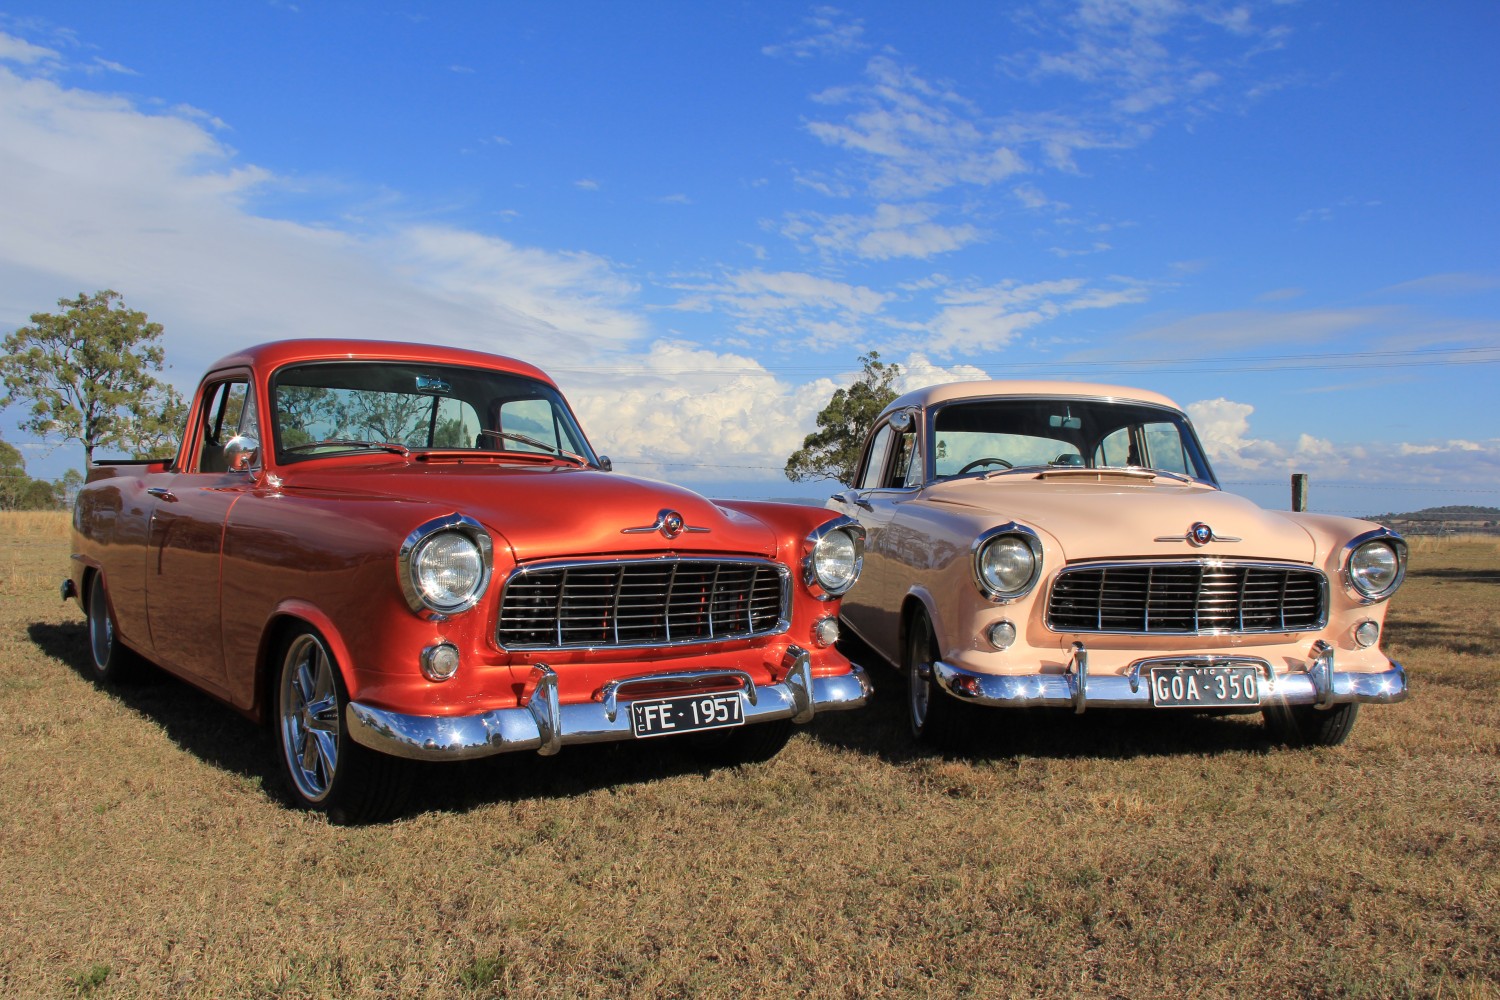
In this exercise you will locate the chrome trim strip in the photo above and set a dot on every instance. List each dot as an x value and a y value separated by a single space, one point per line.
783 622
1118 691
506 730
1205 562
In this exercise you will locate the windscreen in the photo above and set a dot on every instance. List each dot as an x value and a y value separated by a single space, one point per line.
1000 434
330 407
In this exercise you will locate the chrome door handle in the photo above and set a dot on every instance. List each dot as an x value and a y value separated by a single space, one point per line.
162 493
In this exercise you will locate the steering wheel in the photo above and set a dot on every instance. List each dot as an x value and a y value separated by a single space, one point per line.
984 461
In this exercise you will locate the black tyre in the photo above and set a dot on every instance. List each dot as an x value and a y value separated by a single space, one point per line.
936 717
325 769
110 661
750 744
1310 726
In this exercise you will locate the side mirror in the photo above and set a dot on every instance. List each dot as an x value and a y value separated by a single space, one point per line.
605 465
241 453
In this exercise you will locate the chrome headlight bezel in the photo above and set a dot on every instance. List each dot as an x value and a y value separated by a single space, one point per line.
1354 569
417 548
1015 537
842 540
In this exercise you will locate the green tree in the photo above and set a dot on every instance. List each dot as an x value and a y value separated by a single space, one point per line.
18 491
832 451
89 373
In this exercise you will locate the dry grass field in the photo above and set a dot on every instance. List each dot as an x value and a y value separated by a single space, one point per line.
146 849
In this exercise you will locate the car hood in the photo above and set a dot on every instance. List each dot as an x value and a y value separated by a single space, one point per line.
553 512
1094 519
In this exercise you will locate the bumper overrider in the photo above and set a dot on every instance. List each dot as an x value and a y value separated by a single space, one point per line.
543 724
1321 684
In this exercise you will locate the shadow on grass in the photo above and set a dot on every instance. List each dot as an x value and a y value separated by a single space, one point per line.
881 729
1465 636
1458 575
221 737
206 728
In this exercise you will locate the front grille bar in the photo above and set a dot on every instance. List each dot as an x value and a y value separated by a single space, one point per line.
1187 597
642 602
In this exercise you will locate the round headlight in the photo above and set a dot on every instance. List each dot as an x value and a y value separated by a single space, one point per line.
448 568
836 560
1006 566
1374 569
445 565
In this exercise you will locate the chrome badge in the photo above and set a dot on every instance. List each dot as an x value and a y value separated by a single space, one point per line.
1198 536
668 522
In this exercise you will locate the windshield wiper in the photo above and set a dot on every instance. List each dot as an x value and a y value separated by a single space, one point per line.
390 446
535 443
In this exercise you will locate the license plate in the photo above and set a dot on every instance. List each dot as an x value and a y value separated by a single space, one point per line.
686 714
1205 687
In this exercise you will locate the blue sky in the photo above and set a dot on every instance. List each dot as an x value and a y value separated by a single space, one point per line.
698 216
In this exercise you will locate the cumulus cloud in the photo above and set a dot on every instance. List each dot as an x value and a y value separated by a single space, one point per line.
1235 452
103 194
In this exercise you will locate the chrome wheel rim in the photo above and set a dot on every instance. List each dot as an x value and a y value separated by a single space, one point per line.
918 664
309 717
101 628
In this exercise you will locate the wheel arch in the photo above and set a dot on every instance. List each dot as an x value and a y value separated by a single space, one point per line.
918 598
288 618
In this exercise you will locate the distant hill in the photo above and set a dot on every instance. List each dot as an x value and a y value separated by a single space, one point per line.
1443 521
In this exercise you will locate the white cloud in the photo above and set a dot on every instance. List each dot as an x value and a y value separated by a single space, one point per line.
986 318
889 232
917 137
18 50
1224 428
101 194
787 304
826 31
1252 328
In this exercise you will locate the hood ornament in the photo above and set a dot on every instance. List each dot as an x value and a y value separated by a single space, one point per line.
1198 536
668 522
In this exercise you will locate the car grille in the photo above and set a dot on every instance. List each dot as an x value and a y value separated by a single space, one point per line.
650 602
1187 598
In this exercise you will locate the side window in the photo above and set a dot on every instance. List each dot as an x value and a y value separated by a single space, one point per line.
908 463
870 479
1165 445
1114 450
532 418
227 412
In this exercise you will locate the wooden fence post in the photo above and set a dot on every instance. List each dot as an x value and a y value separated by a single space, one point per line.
1299 491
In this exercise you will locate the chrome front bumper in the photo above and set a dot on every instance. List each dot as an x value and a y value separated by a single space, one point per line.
543 724
1320 685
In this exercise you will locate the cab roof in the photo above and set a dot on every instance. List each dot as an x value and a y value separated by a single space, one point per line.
999 388
266 357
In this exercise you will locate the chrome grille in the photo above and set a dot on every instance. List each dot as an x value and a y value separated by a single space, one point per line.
646 602
1186 598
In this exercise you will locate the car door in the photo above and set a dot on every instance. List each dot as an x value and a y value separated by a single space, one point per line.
186 536
890 473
